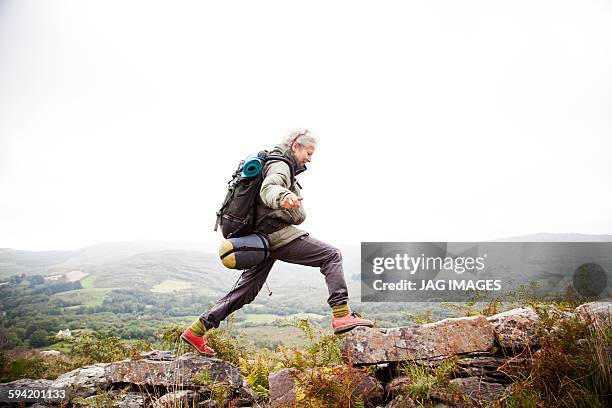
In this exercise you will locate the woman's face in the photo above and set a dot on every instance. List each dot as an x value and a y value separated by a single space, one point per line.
302 154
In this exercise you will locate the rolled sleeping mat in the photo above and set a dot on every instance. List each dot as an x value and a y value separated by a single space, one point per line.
252 166
244 252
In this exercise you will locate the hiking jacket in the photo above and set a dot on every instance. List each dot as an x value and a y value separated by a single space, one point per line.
275 186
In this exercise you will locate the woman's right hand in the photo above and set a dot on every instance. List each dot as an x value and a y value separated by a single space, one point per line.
291 201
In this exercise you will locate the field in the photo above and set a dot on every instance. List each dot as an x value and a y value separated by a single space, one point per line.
87 282
75 275
85 297
286 336
169 286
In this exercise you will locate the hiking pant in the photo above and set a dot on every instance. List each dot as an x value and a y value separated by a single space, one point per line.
305 250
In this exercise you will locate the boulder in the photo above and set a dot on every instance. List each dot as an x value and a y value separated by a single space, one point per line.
287 389
177 374
517 329
83 382
444 338
282 387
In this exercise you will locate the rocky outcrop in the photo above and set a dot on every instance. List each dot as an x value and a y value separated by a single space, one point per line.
169 373
484 353
159 379
444 338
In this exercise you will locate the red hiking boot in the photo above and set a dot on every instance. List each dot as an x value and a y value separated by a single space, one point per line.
349 322
197 342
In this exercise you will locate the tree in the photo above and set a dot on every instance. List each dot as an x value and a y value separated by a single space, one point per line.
40 338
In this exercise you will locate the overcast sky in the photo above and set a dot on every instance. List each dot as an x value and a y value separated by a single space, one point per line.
438 121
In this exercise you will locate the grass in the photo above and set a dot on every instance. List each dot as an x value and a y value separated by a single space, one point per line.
61 346
260 318
87 282
86 297
287 336
170 285
311 316
75 275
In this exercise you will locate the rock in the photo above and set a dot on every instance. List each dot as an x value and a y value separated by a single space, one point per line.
397 385
473 391
176 399
178 373
25 384
517 329
285 385
444 338
282 387
484 366
131 400
596 313
84 381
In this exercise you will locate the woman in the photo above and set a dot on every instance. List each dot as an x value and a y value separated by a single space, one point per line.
278 211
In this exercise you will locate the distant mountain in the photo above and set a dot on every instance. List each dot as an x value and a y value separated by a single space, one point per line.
16 262
145 264
113 251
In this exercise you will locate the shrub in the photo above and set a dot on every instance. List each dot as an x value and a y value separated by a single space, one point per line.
423 379
323 349
331 387
102 347
420 318
256 375
220 392
573 368
27 364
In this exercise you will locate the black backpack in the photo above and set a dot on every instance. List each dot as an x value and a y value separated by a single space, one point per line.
237 215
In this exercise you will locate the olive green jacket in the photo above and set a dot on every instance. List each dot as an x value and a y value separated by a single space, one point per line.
275 186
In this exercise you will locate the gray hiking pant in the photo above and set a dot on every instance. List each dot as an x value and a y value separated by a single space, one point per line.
305 250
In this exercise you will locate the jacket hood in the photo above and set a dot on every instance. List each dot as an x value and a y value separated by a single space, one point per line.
286 151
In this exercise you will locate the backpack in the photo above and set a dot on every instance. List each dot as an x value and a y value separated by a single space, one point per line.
237 215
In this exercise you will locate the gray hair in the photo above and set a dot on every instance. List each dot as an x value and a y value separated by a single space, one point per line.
302 137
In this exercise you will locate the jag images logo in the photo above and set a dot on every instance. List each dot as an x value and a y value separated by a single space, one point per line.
463 271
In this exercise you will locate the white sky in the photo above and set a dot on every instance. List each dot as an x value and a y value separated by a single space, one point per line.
443 120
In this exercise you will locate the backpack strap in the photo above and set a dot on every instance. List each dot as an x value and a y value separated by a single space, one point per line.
277 157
